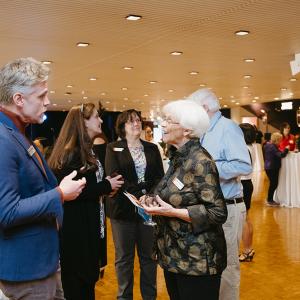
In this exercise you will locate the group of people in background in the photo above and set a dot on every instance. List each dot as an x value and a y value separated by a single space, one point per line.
52 214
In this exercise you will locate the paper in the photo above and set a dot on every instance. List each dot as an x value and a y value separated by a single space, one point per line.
132 199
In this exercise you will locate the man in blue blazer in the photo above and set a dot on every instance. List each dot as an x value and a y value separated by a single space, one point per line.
30 200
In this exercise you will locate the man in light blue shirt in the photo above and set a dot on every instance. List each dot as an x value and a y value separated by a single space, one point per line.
225 142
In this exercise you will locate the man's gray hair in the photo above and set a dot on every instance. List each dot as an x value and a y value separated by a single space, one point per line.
19 76
189 115
205 97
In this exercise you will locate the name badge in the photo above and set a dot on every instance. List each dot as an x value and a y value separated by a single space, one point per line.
118 149
31 150
178 183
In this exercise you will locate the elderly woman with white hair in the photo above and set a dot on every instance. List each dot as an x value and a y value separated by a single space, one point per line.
189 207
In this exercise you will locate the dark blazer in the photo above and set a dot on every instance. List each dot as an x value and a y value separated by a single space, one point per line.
80 233
273 156
118 159
29 207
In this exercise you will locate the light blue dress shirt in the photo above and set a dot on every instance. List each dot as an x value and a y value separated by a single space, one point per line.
225 142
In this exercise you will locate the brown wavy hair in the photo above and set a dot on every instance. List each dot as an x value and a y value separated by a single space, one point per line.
73 147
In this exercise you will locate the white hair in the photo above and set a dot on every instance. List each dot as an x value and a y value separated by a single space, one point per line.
189 115
205 97
19 76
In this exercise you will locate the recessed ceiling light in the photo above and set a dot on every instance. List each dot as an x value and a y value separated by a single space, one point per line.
54 104
237 103
245 87
220 98
171 91
127 68
103 94
254 101
293 79
124 105
162 100
202 84
52 92
82 44
276 98
232 101
124 88
242 32
82 92
133 17
231 97
291 94
146 95
84 98
193 73
225 105
152 82
256 97
176 53
69 86
47 62
247 76
125 98
93 78
283 89
249 60
107 102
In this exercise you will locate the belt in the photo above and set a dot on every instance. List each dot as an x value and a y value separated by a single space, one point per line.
234 201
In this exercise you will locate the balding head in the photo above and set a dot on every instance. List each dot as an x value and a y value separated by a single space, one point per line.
206 98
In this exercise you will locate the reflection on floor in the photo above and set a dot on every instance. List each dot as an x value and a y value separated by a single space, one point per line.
274 272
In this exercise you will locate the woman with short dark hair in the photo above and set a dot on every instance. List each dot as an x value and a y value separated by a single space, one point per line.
140 164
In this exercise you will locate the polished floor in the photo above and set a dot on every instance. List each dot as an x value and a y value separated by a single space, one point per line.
274 272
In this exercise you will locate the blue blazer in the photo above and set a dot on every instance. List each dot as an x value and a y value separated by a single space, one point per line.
30 208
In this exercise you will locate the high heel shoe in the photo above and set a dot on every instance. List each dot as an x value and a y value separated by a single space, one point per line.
247 256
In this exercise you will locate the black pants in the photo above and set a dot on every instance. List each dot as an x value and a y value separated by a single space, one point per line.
273 177
187 287
76 288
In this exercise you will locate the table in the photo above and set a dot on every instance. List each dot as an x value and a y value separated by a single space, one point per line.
258 159
288 189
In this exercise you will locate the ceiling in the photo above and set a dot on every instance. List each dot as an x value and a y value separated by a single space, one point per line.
203 30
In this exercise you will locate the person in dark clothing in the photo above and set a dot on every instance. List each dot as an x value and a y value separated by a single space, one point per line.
273 163
140 164
80 234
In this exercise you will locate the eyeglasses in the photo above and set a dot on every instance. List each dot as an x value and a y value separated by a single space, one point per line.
169 121
138 121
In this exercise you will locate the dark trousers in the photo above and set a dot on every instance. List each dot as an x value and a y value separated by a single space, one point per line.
127 235
273 177
187 287
76 288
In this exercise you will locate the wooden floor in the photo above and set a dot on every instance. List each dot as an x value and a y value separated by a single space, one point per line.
274 272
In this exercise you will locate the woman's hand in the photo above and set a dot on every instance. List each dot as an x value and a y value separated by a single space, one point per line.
115 182
162 209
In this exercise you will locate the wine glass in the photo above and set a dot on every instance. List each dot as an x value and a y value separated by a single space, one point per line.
150 200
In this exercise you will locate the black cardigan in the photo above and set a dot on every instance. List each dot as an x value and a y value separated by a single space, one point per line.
80 233
118 159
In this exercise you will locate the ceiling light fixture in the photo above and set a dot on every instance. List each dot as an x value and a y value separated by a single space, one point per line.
152 82
93 78
254 101
82 44
247 76
146 95
103 94
133 17
124 88
249 60
276 98
256 97
242 32
47 62
52 92
245 87
283 89
293 79
171 91
127 68
84 98
69 86
193 73
225 105
202 84
176 53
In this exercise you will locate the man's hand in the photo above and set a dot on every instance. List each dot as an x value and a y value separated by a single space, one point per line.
70 188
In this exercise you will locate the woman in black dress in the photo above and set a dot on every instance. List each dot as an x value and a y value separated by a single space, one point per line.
80 234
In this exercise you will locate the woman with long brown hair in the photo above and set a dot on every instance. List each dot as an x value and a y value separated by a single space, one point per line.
80 233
